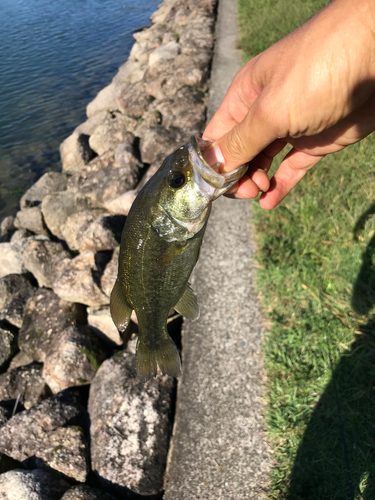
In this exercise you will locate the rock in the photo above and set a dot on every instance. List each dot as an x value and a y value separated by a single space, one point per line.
11 261
48 183
104 185
130 427
6 228
15 290
129 72
125 155
110 273
75 152
43 259
112 131
45 437
31 485
45 316
20 234
56 209
79 281
25 382
133 100
6 411
8 346
141 51
187 111
84 492
91 124
166 52
157 143
122 204
73 358
32 220
100 320
106 100
20 359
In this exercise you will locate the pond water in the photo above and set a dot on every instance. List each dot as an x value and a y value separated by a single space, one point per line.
55 56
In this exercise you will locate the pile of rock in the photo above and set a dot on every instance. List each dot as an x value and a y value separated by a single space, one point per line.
58 263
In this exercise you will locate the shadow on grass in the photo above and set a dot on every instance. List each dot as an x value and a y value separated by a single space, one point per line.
336 457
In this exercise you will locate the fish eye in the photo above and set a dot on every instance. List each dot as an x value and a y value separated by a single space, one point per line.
177 181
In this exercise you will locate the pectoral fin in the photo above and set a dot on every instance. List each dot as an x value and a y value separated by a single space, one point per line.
187 304
120 308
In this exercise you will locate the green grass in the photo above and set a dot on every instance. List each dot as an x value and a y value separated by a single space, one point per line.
316 254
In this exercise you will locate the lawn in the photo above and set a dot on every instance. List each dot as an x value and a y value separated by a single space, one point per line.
316 278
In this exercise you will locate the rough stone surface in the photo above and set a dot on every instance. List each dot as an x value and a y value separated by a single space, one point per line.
6 228
112 131
43 259
73 357
25 382
31 485
122 204
79 281
15 290
156 143
20 359
75 152
84 492
133 100
45 316
165 52
43 436
32 220
12 252
56 209
8 346
219 450
130 427
93 231
104 185
48 183
110 273
100 320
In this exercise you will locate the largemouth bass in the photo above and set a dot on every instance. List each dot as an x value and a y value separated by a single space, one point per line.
159 248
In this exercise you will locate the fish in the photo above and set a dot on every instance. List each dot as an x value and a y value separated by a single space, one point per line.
159 248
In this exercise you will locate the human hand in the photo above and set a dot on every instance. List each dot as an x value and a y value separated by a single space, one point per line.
314 90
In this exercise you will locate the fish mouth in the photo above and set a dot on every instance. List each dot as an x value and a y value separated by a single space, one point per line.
208 178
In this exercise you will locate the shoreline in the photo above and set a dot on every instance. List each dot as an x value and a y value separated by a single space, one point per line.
59 262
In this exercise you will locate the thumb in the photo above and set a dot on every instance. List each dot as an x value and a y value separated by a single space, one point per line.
246 139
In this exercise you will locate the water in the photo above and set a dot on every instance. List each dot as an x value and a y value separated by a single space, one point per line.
55 56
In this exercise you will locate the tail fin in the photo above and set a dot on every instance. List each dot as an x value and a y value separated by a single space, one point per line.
164 353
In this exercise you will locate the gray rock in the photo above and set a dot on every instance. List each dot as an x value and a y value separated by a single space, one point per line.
88 127
6 228
11 260
156 143
133 100
32 220
84 492
15 290
56 209
43 437
130 427
110 273
105 184
75 152
187 111
122 204
25 382
113 130
43 259
8 346
125 155
77 224
73 358
129 72
79 281
45 316
20 234
48 183
6 411
141 51
166 52
100 320
20 359
106 100
31 485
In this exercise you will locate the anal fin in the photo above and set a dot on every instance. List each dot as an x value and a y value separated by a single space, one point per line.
187 305
121 310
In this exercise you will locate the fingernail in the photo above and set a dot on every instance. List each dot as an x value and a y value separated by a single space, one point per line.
214 155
